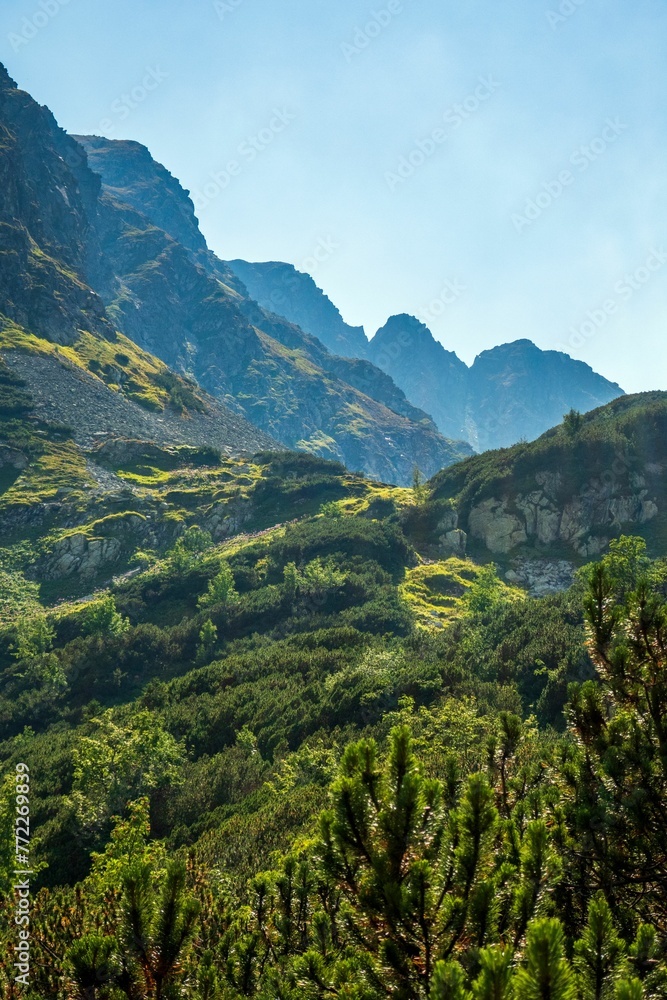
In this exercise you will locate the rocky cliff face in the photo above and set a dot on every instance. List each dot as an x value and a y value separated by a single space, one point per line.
133 177
567 495
282 289
585 524
45 202
511 393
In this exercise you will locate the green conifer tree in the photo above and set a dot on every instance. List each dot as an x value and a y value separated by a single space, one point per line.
494 979
208 637
598 953
547 974
412 872
156 928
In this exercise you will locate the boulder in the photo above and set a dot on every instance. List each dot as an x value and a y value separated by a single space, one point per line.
500 530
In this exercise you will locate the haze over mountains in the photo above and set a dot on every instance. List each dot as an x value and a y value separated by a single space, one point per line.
513 392
82 262
100 239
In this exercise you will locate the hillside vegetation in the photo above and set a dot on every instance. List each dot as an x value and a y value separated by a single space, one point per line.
574 489
345 768
276 734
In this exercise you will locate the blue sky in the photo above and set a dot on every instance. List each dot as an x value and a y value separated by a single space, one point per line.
496 168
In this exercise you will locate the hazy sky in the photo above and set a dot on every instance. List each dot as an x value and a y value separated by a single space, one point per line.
496 167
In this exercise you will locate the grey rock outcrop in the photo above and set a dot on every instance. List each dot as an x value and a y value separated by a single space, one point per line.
78 554
585 523
541 576
452 540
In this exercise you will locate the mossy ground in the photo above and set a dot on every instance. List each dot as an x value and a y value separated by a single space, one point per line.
120 364
436 591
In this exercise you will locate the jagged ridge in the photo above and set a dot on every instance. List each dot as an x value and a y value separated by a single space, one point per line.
511 392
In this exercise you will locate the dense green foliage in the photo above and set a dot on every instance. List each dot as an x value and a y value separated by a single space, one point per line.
309 760
619 445
253 775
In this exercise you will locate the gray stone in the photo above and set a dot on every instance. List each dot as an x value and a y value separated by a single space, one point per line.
500 530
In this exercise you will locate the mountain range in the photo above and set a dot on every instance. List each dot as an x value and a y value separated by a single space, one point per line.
83 266
512 392
100 241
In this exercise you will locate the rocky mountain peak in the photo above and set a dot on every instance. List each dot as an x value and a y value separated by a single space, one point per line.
281 288
520 389
130 173
6 82
406 331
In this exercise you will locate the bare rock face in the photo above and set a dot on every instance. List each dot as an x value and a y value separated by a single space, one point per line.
541 577
586 523
228 519
282 289
492 523
80 555
452 540
455 542
568 495
12 457
47 193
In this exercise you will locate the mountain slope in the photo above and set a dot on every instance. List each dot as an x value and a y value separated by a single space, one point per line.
94 377
183 304
569 493
282 289
512 392
170 305
99 388
517 391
